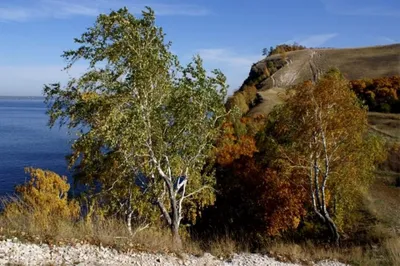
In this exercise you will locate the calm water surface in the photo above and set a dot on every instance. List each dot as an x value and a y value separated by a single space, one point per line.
26 140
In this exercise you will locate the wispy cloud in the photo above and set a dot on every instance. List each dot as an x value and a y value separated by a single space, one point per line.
56 9
235 66
387 40
14 14
228 57
316 40
361 8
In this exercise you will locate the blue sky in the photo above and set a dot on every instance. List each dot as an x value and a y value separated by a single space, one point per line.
229 35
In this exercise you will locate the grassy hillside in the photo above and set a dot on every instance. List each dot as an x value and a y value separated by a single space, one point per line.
354 63
287 69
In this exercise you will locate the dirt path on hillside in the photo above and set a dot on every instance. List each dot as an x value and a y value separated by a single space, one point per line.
313 67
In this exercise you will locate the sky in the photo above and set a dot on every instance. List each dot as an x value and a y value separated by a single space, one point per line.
227 34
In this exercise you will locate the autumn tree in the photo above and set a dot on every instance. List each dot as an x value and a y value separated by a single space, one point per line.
380 94
252 197
44 199
322 135
282 48
137 104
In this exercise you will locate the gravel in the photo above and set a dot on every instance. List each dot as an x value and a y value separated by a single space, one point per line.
13 252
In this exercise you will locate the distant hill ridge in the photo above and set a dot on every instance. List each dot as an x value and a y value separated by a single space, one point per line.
283 70
354 63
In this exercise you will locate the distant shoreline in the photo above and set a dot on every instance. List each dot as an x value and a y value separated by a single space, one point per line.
21 97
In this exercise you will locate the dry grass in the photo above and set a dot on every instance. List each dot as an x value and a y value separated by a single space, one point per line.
387 125
109 233
113 233
225 245
270 98
308 253
392 247
383 201
354 63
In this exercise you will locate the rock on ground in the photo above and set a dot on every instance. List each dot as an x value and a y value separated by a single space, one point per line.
13 252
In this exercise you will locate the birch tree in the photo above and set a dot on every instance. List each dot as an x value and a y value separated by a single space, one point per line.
137 105
322 131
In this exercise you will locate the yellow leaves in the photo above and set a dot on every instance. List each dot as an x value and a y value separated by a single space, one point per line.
322 126
380 94
243 98
238 139
237 100
296 222
89 96
44 198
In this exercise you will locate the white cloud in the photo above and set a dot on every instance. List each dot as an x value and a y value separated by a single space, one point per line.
70 8
317 39
13 14
235 66
50 9
358 8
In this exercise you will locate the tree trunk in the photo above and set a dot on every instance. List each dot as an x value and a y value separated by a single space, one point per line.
129 221
333 228
176 238
175 224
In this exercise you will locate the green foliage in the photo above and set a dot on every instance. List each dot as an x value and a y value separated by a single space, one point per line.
238 100
148 119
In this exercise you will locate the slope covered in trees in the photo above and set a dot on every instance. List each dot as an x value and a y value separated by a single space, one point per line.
282 49
380 94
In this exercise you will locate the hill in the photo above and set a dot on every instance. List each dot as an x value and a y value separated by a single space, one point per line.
273 74
354 63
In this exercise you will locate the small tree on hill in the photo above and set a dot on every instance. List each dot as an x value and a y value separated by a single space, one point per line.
157 119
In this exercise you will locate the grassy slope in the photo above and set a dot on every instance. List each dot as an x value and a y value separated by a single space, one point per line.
354 63
270 98
383 200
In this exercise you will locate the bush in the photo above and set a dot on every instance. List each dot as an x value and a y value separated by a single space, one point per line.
250 94
238 100
283 48
44 200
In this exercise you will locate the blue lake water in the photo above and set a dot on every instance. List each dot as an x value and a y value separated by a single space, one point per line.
27 141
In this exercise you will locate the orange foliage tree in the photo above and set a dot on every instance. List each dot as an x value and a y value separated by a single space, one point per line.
252 197
380 94
322 133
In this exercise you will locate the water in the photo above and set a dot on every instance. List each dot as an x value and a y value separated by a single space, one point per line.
27 141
